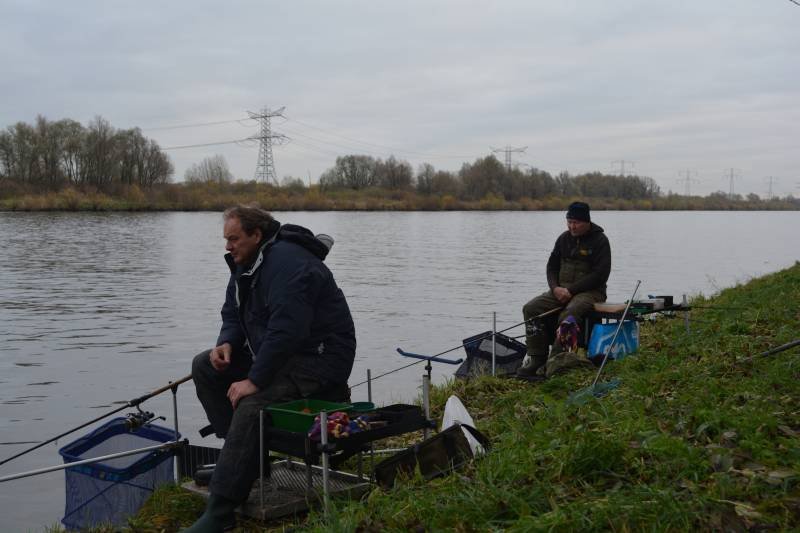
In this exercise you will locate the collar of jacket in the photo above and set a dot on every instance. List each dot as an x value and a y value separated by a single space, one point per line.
257 263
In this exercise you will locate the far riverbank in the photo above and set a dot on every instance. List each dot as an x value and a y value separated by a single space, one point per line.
217 197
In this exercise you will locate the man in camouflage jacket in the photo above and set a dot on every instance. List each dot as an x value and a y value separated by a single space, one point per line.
577 272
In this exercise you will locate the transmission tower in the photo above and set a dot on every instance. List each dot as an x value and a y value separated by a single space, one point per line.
687 180
508 151
621 163
733 174
265 168
770 180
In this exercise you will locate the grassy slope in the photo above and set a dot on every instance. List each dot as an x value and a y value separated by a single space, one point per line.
694 438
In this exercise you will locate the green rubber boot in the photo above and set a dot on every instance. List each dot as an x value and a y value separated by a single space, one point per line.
219 516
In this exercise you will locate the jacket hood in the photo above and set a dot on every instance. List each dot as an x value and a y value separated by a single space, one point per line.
303 237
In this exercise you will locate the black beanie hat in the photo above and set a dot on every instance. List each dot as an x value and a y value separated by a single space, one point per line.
579 211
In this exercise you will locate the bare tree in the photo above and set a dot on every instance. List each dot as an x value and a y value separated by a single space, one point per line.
425 175
212 169
394 174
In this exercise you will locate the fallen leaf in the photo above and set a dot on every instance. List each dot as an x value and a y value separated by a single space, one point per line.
756 467
777 477
746 511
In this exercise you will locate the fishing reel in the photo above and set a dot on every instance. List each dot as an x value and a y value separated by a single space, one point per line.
134 421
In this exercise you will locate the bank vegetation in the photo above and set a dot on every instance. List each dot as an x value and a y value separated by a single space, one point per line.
63 165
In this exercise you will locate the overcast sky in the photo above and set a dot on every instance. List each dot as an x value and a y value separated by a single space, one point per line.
703 86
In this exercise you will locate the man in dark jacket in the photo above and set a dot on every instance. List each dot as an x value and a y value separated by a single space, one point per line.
577 272
286 334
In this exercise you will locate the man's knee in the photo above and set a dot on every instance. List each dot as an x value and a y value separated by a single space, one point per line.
201 366
580 306
535 307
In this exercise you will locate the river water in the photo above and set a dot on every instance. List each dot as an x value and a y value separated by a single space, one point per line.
100 308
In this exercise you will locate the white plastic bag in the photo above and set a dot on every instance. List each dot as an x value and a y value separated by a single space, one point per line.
455 412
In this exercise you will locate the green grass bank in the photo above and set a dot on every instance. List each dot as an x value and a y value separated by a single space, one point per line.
696 437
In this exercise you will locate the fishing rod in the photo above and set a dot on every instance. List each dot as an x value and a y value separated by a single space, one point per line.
772 351
462 345
614 338
173 385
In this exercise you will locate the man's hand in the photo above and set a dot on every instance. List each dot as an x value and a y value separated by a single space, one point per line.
221 357
562 295
241 389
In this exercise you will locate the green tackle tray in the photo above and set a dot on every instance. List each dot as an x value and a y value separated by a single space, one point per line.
298 415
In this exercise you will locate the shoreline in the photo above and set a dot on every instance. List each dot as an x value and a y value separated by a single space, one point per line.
213 197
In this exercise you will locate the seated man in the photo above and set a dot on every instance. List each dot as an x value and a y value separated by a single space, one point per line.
577 272
286 334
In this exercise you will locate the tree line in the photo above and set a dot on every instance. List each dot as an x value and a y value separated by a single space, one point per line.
485 177
49 155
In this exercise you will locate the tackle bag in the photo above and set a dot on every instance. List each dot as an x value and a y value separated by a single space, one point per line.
436 456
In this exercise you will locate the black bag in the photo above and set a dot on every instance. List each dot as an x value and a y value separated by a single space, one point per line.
436 456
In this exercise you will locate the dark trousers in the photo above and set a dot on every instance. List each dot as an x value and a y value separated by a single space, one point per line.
237 466
540 334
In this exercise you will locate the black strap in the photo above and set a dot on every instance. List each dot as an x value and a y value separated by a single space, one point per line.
206 431
480 437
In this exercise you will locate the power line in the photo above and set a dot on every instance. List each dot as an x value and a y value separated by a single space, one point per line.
199 124
345 146
241 142
384 147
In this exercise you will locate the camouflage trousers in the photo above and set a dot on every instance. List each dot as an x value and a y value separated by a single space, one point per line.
540 333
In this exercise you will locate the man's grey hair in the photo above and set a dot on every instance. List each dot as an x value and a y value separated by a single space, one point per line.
251 217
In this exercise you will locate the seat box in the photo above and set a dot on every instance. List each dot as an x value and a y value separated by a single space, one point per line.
627 341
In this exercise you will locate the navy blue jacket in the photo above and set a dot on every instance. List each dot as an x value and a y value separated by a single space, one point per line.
286 304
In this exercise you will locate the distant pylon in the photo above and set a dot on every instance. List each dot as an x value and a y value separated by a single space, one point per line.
622 166
687 180
733 174
508 151
265 167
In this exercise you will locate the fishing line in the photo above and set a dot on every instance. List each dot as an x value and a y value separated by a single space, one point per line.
462 345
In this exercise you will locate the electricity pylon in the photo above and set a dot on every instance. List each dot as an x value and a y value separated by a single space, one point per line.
687 180
508 151
265 167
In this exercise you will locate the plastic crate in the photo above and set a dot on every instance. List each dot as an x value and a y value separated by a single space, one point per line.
627 341
299 415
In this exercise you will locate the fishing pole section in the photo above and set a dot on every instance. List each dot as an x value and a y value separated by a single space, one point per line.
133 422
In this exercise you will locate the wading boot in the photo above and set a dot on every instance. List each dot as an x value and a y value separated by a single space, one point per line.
219 516
537 362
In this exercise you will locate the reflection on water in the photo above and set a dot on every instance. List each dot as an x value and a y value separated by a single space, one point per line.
100 308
